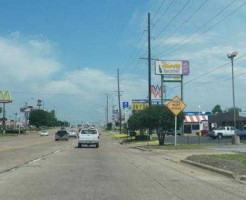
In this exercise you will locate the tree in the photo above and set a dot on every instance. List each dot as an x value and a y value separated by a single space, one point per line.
42 118
231 110
217 109
157 118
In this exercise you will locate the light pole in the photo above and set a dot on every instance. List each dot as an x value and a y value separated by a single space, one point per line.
199 118
232 56
235 138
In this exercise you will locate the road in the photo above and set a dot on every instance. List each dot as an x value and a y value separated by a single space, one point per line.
60 170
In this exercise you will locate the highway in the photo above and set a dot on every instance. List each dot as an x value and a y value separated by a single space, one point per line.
34 167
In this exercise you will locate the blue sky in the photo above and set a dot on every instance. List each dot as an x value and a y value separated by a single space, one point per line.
50 48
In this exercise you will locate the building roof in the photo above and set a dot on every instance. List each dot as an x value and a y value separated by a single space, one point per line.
222 117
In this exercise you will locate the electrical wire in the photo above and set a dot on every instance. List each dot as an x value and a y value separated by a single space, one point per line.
185 21
180 43
166 10
209 72
173 18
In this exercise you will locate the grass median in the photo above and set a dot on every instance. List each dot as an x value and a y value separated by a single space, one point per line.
177 147
230 162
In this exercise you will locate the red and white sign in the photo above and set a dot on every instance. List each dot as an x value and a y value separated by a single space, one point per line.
196 118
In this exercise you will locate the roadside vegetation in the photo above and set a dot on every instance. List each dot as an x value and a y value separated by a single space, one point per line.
157 118
231 162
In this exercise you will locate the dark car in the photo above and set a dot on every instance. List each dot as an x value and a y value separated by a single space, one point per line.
172 132
61 135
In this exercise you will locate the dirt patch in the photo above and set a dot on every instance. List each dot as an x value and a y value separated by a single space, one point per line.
231 165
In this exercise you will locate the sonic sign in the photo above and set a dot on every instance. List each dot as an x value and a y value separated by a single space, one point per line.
172 67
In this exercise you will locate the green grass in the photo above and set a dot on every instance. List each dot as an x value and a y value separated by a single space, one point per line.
118 136
240 157
172 147
6 135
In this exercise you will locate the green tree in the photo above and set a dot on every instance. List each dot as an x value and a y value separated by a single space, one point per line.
217 109
157 118
231 110
42 118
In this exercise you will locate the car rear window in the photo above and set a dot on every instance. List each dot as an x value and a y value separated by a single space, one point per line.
89 132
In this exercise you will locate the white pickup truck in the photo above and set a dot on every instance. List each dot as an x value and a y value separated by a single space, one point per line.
223 132
88 137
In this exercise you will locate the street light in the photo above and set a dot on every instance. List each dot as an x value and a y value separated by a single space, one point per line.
199 114
232 56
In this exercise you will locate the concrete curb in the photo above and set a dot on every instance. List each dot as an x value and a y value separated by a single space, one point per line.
141 149
207 167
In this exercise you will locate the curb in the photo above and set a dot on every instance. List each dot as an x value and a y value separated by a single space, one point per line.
141 149
207 167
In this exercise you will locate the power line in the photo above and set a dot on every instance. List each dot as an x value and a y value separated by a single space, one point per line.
55 94
173 18
168 7
186 20
156 12
135 51
209 21
211 71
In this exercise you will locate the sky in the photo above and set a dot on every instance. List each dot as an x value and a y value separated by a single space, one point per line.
67 52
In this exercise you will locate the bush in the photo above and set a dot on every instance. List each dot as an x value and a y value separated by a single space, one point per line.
109 126
141 137
15 131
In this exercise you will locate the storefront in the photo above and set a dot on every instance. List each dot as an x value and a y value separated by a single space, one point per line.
195 122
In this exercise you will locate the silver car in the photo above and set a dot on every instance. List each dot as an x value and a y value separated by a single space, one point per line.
61 135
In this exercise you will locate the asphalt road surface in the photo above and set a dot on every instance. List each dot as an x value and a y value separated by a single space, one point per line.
40 169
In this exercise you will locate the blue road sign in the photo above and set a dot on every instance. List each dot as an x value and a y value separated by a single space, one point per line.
125 105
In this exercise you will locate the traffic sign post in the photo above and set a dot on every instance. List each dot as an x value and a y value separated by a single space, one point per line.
176 105
125 104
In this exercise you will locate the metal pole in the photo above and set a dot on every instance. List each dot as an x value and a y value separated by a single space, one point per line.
149 60
107 109
175 133
118 77
16 119
4 116
233 94
182 88
162 89
149 68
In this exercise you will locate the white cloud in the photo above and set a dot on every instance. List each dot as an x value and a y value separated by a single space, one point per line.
21 62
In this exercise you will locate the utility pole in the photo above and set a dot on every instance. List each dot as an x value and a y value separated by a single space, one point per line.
107 110
118 78
16 114
162 89
4 118
149 68
149 59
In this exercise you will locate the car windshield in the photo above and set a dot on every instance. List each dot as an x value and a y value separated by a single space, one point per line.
89 132
43 131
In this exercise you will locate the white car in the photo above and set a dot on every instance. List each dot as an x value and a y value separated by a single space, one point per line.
44 133
72 133
223 132
88 137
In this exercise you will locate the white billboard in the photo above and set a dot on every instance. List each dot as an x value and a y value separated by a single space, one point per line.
172 67
172 78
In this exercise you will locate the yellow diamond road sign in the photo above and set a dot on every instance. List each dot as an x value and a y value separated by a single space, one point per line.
176 105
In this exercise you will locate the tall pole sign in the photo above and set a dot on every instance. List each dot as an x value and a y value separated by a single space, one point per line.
176 105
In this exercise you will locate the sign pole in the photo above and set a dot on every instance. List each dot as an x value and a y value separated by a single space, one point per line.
182 89
162 89
175 134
